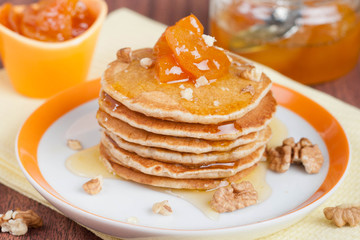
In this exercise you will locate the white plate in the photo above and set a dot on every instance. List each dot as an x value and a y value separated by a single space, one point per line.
294 193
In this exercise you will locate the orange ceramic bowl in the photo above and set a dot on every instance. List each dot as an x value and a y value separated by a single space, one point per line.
41 69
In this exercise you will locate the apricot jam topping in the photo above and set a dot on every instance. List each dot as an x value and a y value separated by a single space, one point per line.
48 20
182 53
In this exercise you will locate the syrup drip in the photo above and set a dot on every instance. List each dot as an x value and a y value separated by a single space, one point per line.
279 133
86 163
201 199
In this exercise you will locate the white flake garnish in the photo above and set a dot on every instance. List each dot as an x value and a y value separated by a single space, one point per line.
203 65
209 40
187 94
194 23
181 49
201 81
174 70
195 53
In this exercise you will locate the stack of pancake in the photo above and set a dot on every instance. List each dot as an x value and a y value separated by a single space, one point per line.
155 134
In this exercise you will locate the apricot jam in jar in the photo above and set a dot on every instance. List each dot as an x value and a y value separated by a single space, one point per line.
310 41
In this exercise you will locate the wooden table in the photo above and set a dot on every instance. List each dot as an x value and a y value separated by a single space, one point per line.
56 226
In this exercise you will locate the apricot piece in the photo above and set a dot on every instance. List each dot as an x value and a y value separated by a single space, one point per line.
183 54
169 70
162 47
4 14
191 23
9 18
194 56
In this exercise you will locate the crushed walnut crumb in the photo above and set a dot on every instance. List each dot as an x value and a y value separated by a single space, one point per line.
187 94
146 63
343 214
94 185
252 73
162 208
74 144
233 197
249 89
124 55
302 152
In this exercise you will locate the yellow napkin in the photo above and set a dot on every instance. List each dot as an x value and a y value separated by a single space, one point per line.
124 28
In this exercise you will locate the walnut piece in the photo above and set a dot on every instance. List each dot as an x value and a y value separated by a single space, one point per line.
248 89
14 227
74 144
233 197
311 158
146 62
124 55
30 218
94 185
342 215
162 208
303 152
17 222
279 158
252 73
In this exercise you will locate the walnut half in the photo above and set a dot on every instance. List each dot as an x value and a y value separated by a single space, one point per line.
233 197
342 215
17 222
303 152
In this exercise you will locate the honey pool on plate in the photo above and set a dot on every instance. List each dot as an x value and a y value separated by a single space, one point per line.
86 163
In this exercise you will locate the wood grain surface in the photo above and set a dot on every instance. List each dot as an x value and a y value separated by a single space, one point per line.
56 226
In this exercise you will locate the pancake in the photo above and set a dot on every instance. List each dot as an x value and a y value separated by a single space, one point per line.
139 177
157 168
139 90
253 121
190 158
180 144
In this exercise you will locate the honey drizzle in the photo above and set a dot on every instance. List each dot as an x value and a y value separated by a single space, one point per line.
219 129
201 199
86 163
279 132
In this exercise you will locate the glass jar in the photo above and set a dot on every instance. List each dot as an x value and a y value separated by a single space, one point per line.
311 41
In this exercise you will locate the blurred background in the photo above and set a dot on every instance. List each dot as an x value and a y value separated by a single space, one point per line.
336 67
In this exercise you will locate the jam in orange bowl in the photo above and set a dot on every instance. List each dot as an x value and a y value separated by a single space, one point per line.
48 20
183 52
